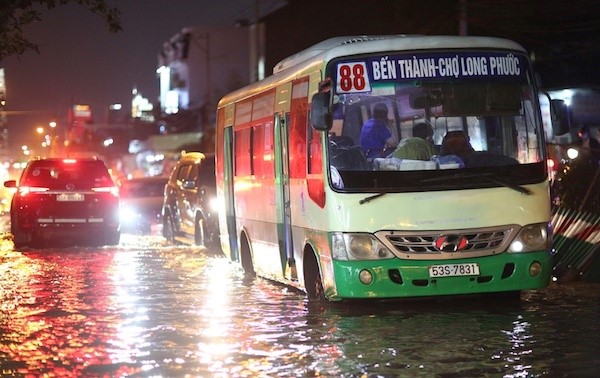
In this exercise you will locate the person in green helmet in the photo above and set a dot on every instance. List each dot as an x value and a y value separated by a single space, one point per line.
419 147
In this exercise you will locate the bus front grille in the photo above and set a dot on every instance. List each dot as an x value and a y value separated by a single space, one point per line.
458 243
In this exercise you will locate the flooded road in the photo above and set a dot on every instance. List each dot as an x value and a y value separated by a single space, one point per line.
145 309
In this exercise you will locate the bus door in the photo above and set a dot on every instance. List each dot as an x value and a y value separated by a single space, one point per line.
282 196
229 192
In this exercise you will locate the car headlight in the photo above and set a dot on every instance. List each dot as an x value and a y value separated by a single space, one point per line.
128 214
213 204
533 237
358 247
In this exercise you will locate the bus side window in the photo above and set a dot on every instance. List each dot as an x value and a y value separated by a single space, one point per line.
297 130
243 163
258 143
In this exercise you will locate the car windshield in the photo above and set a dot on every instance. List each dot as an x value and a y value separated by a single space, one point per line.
422 121
52 173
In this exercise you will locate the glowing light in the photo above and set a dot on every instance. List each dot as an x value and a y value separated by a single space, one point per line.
517 246
567 95
572 153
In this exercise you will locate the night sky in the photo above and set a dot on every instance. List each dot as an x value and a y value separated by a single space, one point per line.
80 61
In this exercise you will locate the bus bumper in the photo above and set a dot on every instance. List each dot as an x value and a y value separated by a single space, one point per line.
396 278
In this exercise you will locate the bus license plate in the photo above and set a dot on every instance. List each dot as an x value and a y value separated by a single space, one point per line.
450 270
70 197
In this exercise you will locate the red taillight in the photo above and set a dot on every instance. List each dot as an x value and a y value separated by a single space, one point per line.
24 190
107 189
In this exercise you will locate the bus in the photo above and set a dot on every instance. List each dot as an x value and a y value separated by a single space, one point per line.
302 203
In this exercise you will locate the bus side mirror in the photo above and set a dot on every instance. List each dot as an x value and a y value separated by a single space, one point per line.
320 115
559 112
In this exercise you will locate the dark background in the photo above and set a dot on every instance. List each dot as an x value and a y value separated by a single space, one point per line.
562 36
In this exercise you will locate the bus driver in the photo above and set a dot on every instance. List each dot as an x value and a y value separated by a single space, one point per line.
375 136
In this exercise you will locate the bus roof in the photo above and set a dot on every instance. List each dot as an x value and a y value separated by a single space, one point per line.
364 44
349 45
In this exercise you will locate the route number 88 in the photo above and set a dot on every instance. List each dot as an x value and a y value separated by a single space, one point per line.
352 77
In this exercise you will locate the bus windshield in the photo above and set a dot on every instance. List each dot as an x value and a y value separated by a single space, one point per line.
434 121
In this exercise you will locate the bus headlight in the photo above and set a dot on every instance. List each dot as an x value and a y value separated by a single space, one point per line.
533 237
358 247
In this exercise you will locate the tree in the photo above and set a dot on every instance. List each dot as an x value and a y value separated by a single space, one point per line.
16 14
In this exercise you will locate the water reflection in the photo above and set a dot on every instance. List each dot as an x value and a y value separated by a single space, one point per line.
148 309
57 311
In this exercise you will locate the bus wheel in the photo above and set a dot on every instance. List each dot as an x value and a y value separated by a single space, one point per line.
246 257
313 282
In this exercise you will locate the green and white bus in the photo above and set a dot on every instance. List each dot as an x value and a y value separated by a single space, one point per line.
302 203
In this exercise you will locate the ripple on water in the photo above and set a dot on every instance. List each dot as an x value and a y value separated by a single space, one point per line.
148 309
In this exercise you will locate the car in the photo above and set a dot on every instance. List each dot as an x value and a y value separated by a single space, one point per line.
64 199
141 203
189 209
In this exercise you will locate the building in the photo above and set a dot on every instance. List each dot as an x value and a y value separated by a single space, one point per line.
198 66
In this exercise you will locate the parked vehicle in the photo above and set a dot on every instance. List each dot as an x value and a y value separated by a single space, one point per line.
141 203
64 199
189 215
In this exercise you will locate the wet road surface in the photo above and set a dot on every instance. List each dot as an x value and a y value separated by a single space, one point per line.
146 309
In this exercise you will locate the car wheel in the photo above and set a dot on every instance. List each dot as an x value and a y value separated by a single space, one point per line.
200 231
112 238
168 230
146 229
21 238
203 236
211 239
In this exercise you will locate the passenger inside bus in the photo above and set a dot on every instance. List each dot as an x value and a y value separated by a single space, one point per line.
419 146
376 139
344 155
455 149
456 143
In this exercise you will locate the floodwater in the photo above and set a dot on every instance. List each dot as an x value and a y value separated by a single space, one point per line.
145 309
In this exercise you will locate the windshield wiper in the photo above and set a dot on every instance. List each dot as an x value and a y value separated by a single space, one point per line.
370 198
516 187
488 176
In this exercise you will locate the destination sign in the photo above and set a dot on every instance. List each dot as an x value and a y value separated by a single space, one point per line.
355 76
